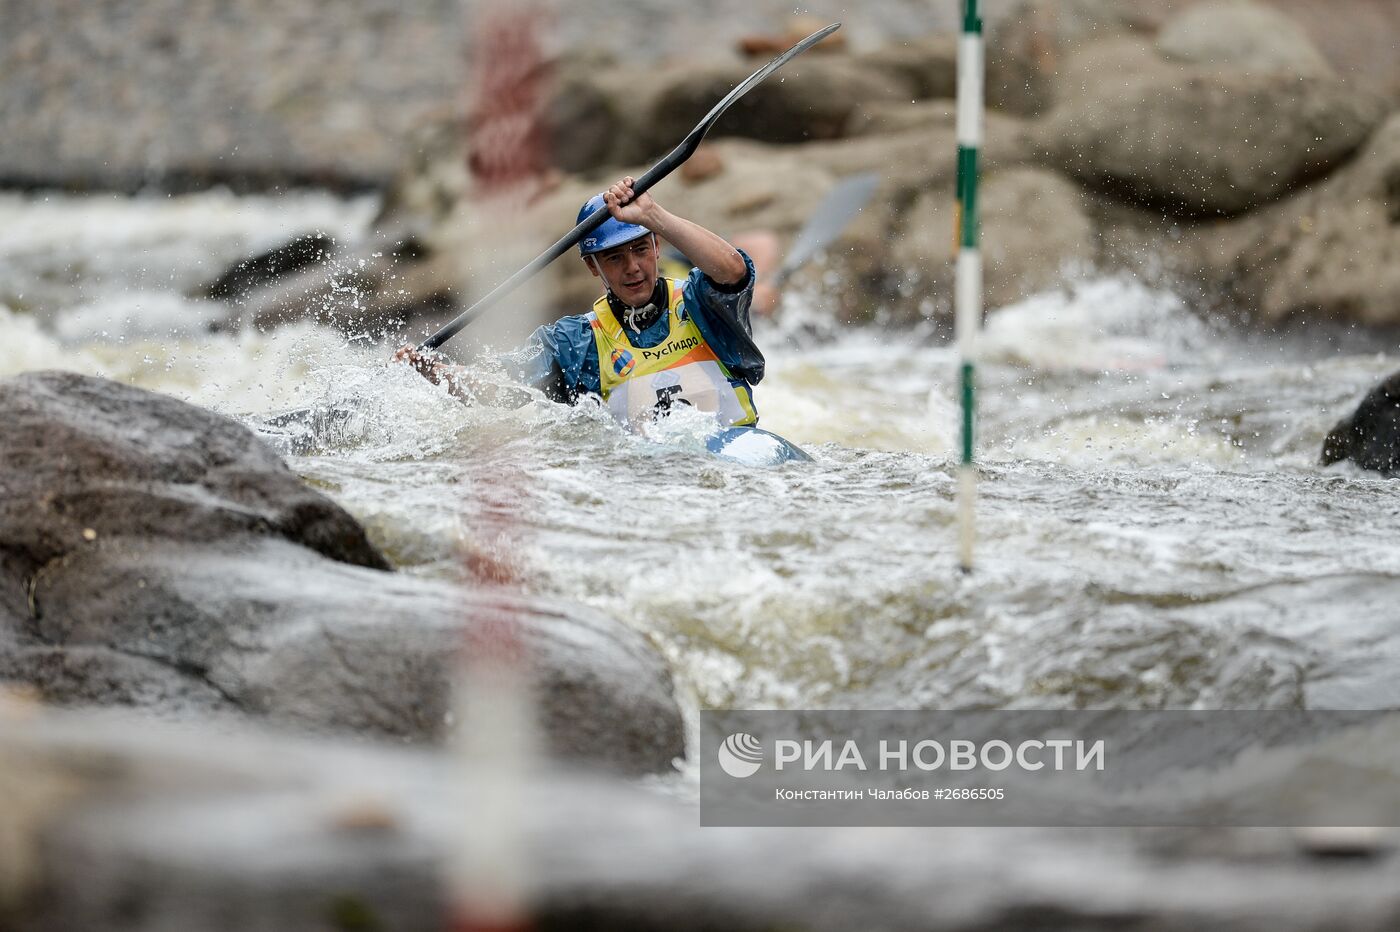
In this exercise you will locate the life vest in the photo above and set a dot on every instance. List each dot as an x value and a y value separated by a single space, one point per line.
640 383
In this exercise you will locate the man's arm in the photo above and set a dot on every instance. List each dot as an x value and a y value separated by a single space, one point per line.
458 380
711 253
722 314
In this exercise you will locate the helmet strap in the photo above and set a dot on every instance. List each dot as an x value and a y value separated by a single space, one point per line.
598 267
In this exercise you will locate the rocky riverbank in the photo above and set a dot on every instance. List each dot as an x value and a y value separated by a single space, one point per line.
1255 172
1230 147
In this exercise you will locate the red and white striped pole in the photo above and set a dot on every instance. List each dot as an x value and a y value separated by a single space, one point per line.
494 741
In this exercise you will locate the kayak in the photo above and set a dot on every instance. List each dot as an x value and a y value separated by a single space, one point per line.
753 446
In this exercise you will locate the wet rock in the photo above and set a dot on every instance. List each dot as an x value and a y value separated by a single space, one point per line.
1201 142
329 646
370 289
1327 252
1035 232
1243 35
267 267
1370 437
85 460
158 555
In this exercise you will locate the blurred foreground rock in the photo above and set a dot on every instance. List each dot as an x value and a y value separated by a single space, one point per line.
156 554
1370 436
117 824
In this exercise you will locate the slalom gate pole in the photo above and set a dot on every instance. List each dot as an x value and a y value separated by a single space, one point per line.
968 282
493 746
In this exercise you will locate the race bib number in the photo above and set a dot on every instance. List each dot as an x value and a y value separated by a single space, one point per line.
701 386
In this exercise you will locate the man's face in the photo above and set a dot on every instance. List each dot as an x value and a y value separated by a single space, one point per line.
629 270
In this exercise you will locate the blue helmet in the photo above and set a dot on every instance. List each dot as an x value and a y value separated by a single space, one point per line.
612 233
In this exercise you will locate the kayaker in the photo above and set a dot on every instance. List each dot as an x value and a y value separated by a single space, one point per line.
650 343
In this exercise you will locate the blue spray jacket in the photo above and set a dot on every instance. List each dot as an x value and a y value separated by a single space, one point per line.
561 358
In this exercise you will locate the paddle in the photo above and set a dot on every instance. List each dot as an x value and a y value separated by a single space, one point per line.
654 174
836 210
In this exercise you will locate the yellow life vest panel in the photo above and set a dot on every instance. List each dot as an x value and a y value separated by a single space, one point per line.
639 383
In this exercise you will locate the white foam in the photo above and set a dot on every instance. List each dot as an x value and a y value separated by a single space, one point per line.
52 223
24 347
1104 440
137 313
1104 324
60 251
871 390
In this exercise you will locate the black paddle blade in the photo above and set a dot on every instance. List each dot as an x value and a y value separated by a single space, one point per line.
652 175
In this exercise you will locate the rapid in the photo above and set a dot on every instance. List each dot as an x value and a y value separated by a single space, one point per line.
1153 529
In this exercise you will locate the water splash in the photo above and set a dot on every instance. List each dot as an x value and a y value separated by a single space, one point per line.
1114 324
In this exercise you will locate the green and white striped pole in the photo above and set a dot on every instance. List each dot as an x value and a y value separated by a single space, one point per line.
967 291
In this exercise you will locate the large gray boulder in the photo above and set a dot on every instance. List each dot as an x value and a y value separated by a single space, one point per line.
1203 141
158 555
1244 35
1035 233
1328 252
85 459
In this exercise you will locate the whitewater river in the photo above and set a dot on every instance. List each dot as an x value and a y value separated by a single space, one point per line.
1153 529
